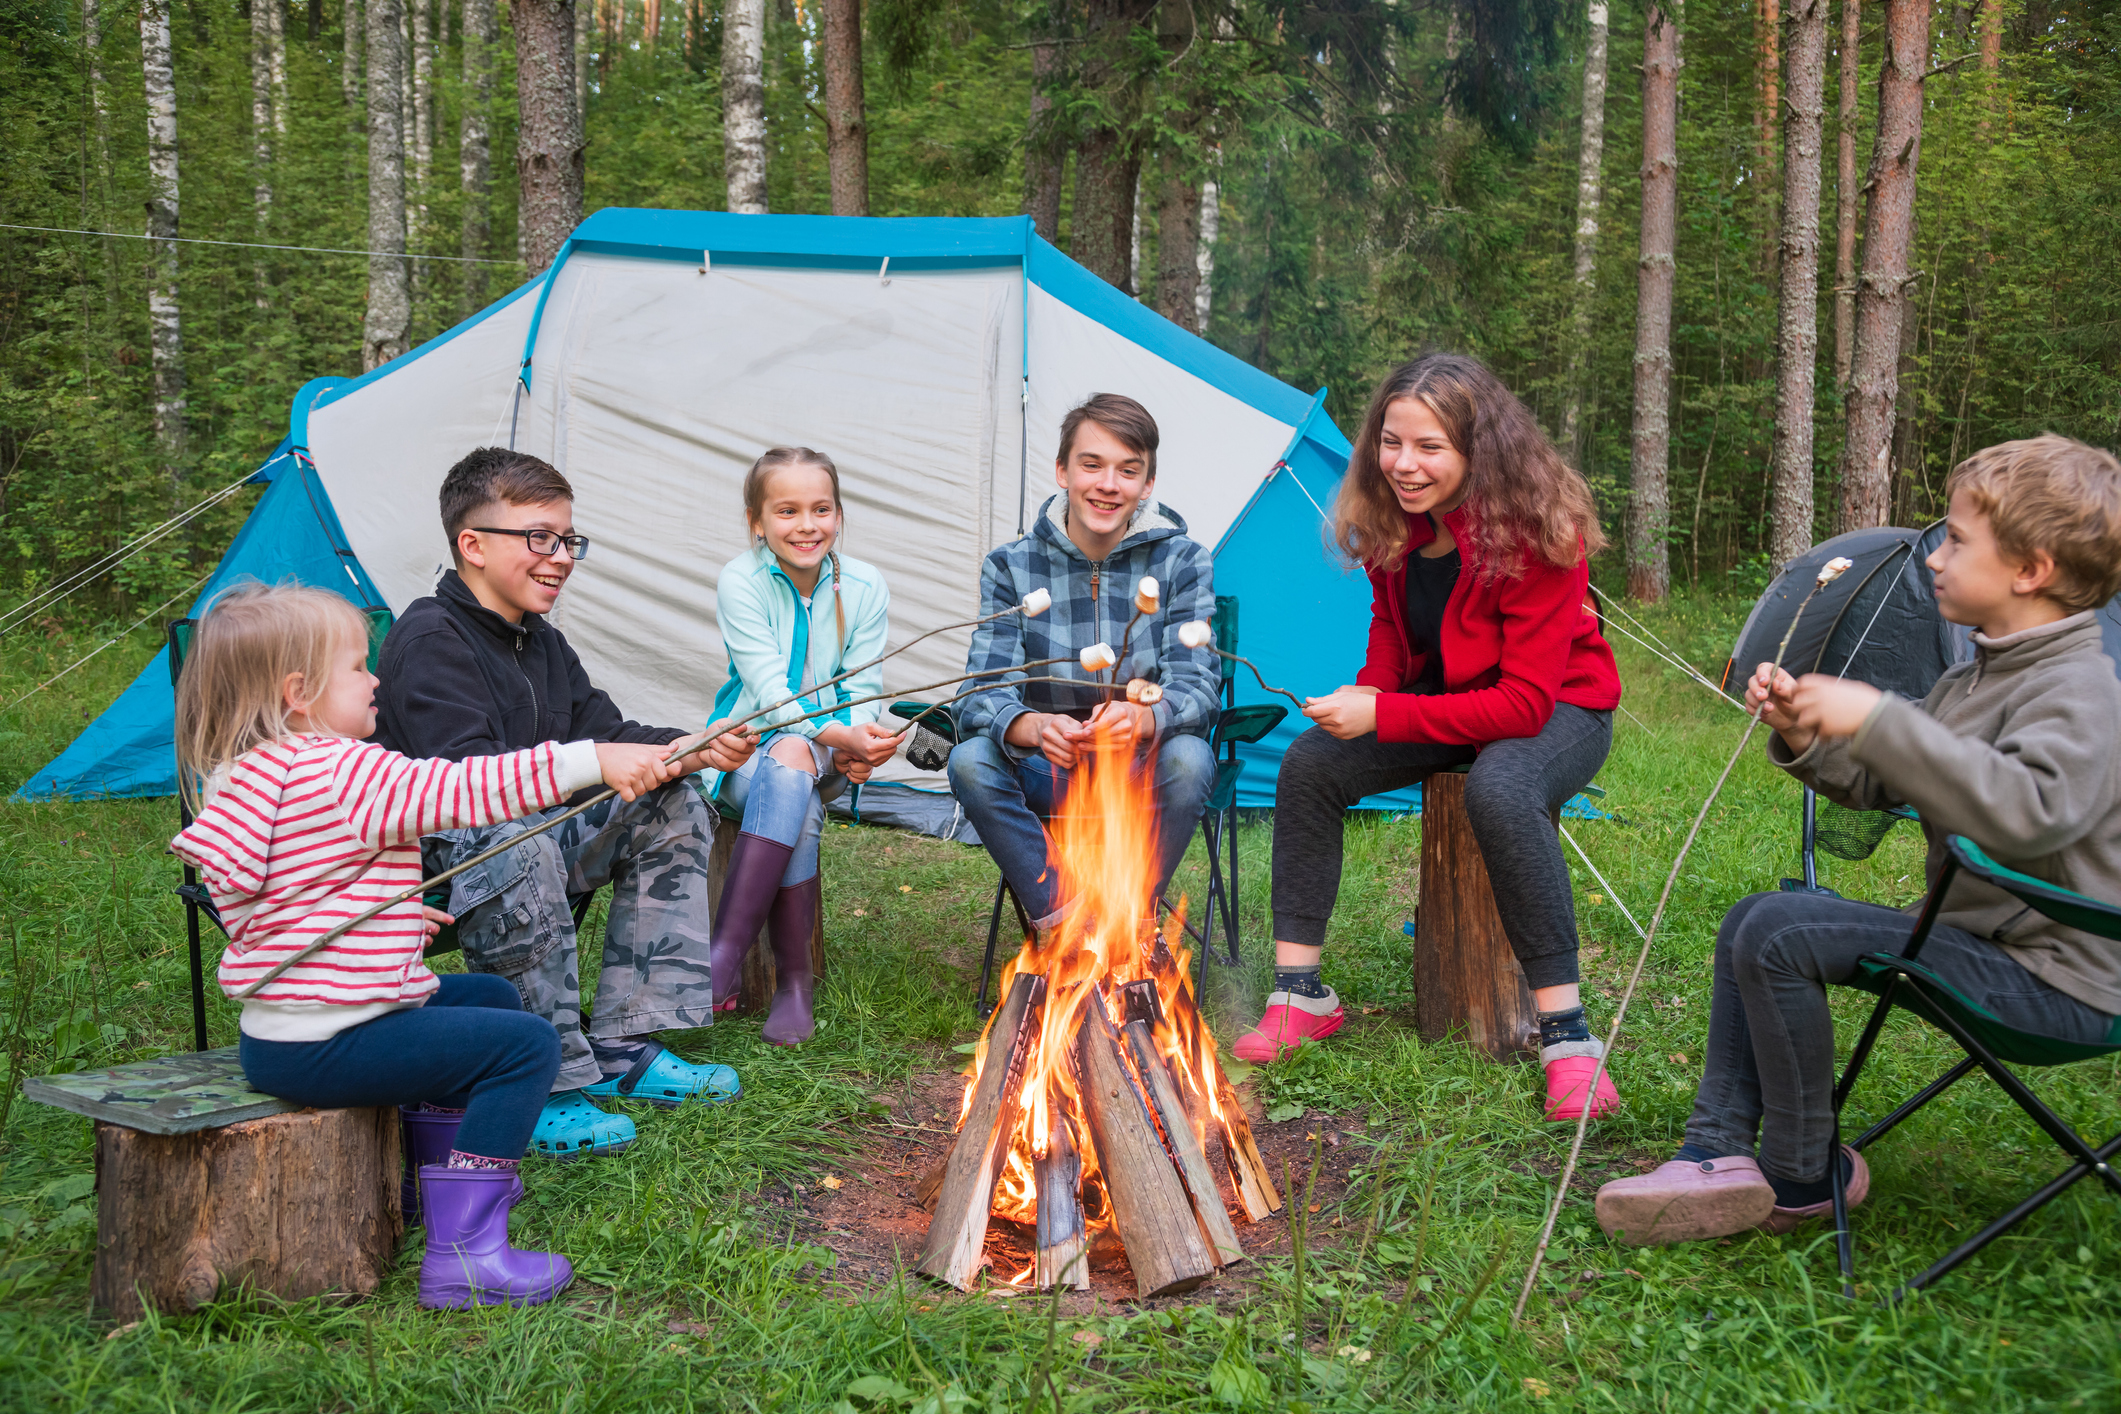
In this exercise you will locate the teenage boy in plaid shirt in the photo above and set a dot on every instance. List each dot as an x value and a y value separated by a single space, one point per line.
1089 548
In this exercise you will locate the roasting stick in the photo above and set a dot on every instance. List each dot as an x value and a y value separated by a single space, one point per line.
680 750
1201 634
1828 573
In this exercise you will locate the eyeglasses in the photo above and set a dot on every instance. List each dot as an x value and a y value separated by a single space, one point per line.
542 542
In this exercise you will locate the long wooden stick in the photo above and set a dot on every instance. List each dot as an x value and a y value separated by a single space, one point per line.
683 748
1833 570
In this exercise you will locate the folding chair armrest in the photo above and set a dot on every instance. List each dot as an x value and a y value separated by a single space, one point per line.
2065 906
943 722
1246 724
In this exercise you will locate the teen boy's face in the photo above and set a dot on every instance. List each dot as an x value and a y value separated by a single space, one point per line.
1105 480
502 570
1975 585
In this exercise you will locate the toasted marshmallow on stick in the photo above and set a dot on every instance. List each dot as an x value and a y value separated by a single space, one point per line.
1097 658
1144 693
1835 568
1146 594
1037 602
1196 634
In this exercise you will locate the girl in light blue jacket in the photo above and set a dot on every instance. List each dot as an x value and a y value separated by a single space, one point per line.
793 612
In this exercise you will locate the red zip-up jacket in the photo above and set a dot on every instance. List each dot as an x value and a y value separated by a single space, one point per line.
1512 648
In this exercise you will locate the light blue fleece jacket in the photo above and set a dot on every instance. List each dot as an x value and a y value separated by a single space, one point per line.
775 647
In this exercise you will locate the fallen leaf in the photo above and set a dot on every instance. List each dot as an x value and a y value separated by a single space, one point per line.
905 888
1597 898
1631 1272
1313 1208
859 912
684 1328
1679 1058
828 1181
1373 1011
1354 1352
1089 1338
1538 1389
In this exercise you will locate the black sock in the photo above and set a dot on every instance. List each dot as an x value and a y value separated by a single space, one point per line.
1301 981
1789 1193
1691 1153
1569 1024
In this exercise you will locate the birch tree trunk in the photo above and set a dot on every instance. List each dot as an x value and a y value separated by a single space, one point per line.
1797 340
1649 568
1845 193
261 134
846 113
276 40
1881 293
1590 165
1211 211
475 146
744 104
581 55
1045 161
165 326
549 138
350 65
389 322
423 106
1178 272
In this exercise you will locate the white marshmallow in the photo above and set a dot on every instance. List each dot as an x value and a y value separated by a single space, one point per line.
1037 602
1835 568
1142 691
1097 658
1196 634
1146 593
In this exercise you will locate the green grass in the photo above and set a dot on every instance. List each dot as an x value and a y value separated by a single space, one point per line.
705 1288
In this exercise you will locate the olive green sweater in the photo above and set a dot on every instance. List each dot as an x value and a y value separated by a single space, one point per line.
2019 751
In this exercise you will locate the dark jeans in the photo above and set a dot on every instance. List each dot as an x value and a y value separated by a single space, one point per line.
1769 1070
472 1047
1511 794
1006 801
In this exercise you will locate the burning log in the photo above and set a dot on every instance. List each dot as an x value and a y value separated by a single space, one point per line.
1063 1247
1248 1171
1144 1011
1150 1207
957 1236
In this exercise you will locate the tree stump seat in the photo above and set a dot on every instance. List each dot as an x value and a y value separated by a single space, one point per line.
755 994
1467 981
204 1184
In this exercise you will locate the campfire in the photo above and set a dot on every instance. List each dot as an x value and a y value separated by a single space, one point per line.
1097 1108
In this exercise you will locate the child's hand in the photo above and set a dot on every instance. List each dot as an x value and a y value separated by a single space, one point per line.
724 751
871 743
853 767
1833 707
1348 713
633 769
433 920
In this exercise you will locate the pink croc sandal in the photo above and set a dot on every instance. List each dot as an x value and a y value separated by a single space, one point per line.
1568 1080
1289 1023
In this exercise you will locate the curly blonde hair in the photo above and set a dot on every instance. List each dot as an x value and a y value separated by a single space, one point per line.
2056 496
1524 501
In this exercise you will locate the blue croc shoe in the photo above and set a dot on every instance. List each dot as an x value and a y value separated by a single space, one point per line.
663 1077
570 1127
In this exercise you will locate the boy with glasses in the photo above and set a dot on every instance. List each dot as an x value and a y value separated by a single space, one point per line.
476 670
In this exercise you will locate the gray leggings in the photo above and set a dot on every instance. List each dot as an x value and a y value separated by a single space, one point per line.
1769 1068
1511 794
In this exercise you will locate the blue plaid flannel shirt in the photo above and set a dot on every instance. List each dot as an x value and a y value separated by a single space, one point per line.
1047 559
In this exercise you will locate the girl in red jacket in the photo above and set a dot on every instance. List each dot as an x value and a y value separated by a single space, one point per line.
1484 649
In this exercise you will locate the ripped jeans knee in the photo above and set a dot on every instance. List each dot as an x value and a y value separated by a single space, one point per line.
780 803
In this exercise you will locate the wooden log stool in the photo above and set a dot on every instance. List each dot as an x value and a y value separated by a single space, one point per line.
1467 980
204 1184
760 975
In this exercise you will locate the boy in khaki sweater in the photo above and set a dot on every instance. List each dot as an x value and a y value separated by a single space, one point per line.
2016 750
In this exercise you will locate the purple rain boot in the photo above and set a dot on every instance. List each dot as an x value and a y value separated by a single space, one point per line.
468 1260
755 868
429 1136
794 918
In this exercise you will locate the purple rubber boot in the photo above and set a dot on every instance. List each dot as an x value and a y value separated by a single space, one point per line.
748 889
794 918
469 1261
429 1136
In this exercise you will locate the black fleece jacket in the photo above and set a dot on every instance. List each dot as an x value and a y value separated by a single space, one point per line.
459 680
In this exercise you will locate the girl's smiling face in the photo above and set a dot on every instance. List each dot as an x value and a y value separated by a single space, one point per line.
799 519
1426 473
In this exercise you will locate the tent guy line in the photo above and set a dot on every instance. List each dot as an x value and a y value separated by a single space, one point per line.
120 637
260 245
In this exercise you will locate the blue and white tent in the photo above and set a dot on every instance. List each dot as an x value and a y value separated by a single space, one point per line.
932 359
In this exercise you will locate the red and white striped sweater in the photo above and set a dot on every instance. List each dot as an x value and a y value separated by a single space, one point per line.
313 830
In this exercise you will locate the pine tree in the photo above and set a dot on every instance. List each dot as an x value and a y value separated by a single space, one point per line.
1649 566
389 324
475 146
549 140
1797 342
1045 156
1845 193
846 113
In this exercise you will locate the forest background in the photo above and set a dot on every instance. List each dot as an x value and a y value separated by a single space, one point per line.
1321 188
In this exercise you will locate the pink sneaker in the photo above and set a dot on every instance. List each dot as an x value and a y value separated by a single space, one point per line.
1781 1220
1682 1201
1569 1079
1290 1021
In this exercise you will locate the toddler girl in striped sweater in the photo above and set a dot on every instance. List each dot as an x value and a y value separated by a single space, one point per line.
301 826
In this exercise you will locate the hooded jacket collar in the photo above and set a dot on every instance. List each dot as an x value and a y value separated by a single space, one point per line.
453 591
1156 521
2042 643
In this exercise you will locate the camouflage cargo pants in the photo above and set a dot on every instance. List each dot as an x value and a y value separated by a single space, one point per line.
514 919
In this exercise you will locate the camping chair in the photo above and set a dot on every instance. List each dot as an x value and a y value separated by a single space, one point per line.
197 900
1846 834
1234 725
1900 980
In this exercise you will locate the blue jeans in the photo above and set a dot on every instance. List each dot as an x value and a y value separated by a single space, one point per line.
1769 1066
472 1047
1007 802
784 804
